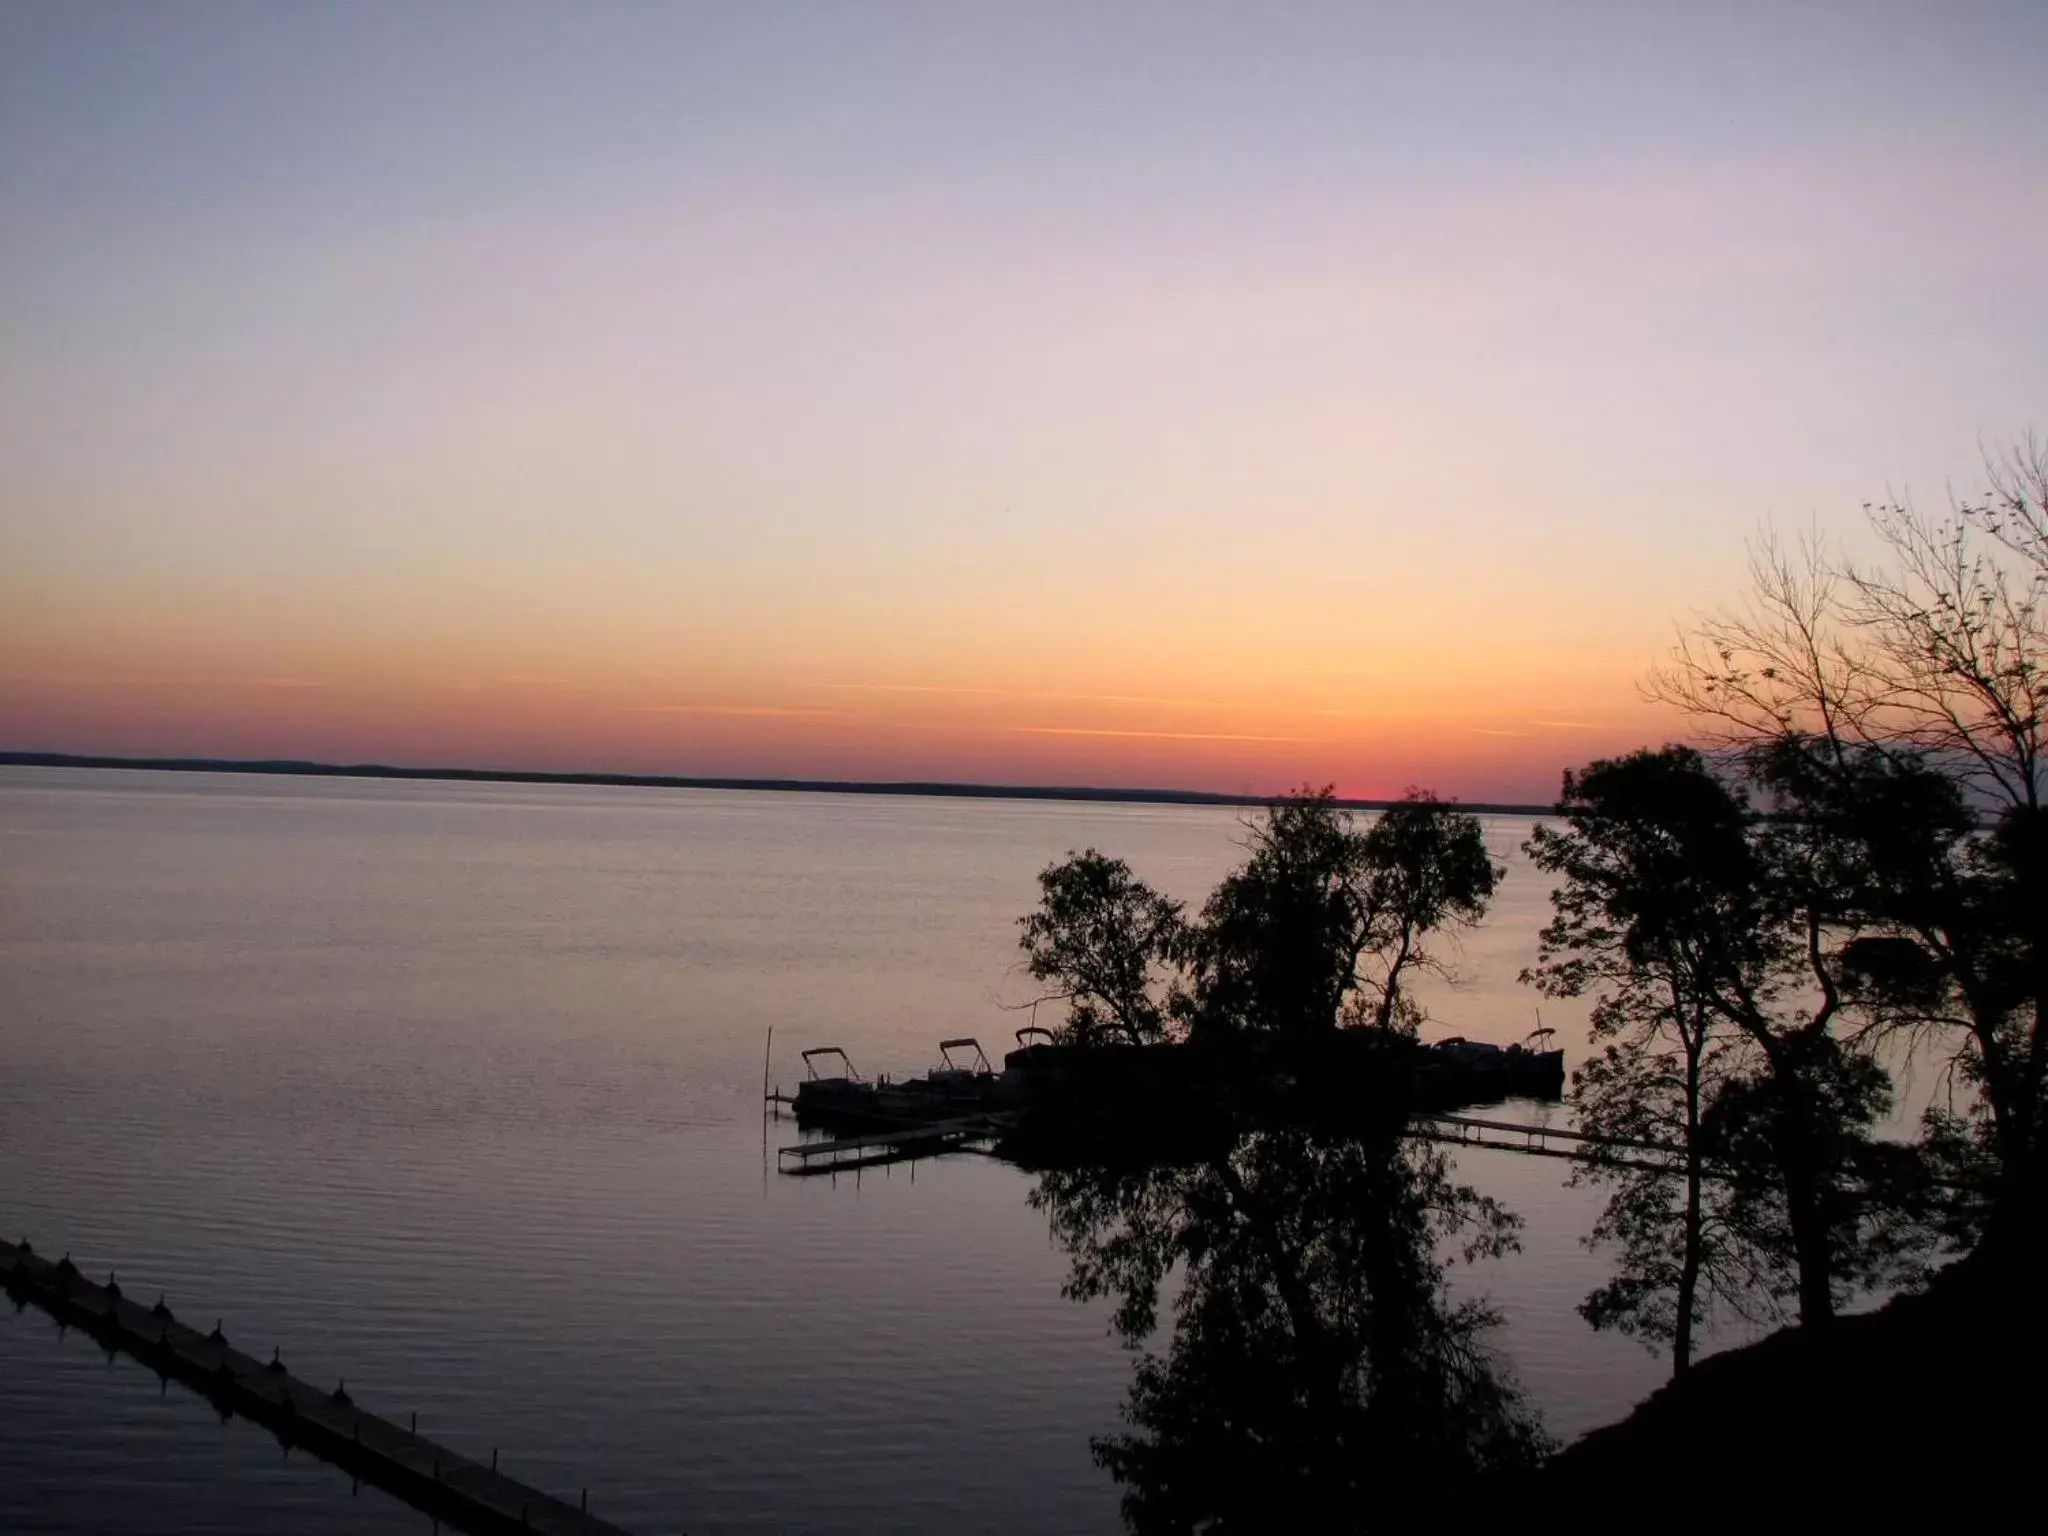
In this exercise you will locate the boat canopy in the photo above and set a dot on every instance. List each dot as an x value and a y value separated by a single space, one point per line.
848 1073
964 1043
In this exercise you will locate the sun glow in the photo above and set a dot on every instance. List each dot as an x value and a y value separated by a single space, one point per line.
1195 446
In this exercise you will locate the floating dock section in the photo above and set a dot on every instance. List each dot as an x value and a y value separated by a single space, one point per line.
325 1422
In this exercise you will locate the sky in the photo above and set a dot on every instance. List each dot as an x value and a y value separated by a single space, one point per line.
1222 397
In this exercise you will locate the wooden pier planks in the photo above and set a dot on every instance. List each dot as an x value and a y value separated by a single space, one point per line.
440 1482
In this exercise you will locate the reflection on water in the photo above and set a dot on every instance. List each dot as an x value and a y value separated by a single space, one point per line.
454 1090
1316 1373
137 1455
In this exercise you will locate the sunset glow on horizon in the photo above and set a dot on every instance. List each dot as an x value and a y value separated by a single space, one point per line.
1182 397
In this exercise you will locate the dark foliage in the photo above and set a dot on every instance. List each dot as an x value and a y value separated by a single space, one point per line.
1106 942
1717 947
1316 1376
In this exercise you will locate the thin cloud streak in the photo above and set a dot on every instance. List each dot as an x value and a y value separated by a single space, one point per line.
736 711
1076 730
1025 693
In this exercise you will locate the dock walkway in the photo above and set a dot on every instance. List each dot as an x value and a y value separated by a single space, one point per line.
843 1154
452 1488
1547 1141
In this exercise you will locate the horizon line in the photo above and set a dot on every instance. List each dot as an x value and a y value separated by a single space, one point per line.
933 788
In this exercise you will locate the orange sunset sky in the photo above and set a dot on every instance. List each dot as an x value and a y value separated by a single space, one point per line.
1208 397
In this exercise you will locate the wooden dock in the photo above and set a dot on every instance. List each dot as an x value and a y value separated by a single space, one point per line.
843 1154
453 1489
1547 1141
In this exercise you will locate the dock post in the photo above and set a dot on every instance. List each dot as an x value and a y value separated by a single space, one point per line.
494 1458
584 1502
415 1423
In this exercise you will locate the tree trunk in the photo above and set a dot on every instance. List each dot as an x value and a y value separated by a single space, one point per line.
1809 1241
1796 1146
1689 1261
1688 1273
1805 1213
2018 1230
1391 995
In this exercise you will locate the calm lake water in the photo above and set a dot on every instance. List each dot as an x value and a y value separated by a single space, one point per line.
455 1090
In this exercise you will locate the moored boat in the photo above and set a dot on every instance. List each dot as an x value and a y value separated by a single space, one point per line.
961 1084
1530 1066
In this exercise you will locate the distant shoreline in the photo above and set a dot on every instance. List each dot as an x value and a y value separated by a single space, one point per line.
668 781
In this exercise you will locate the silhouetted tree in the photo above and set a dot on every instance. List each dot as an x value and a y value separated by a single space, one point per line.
1939 648
1697 919
1872 1208
1277 943
1846 687
1325 923
1106 941
1938 924
1652 850
1318 1376
1427 869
